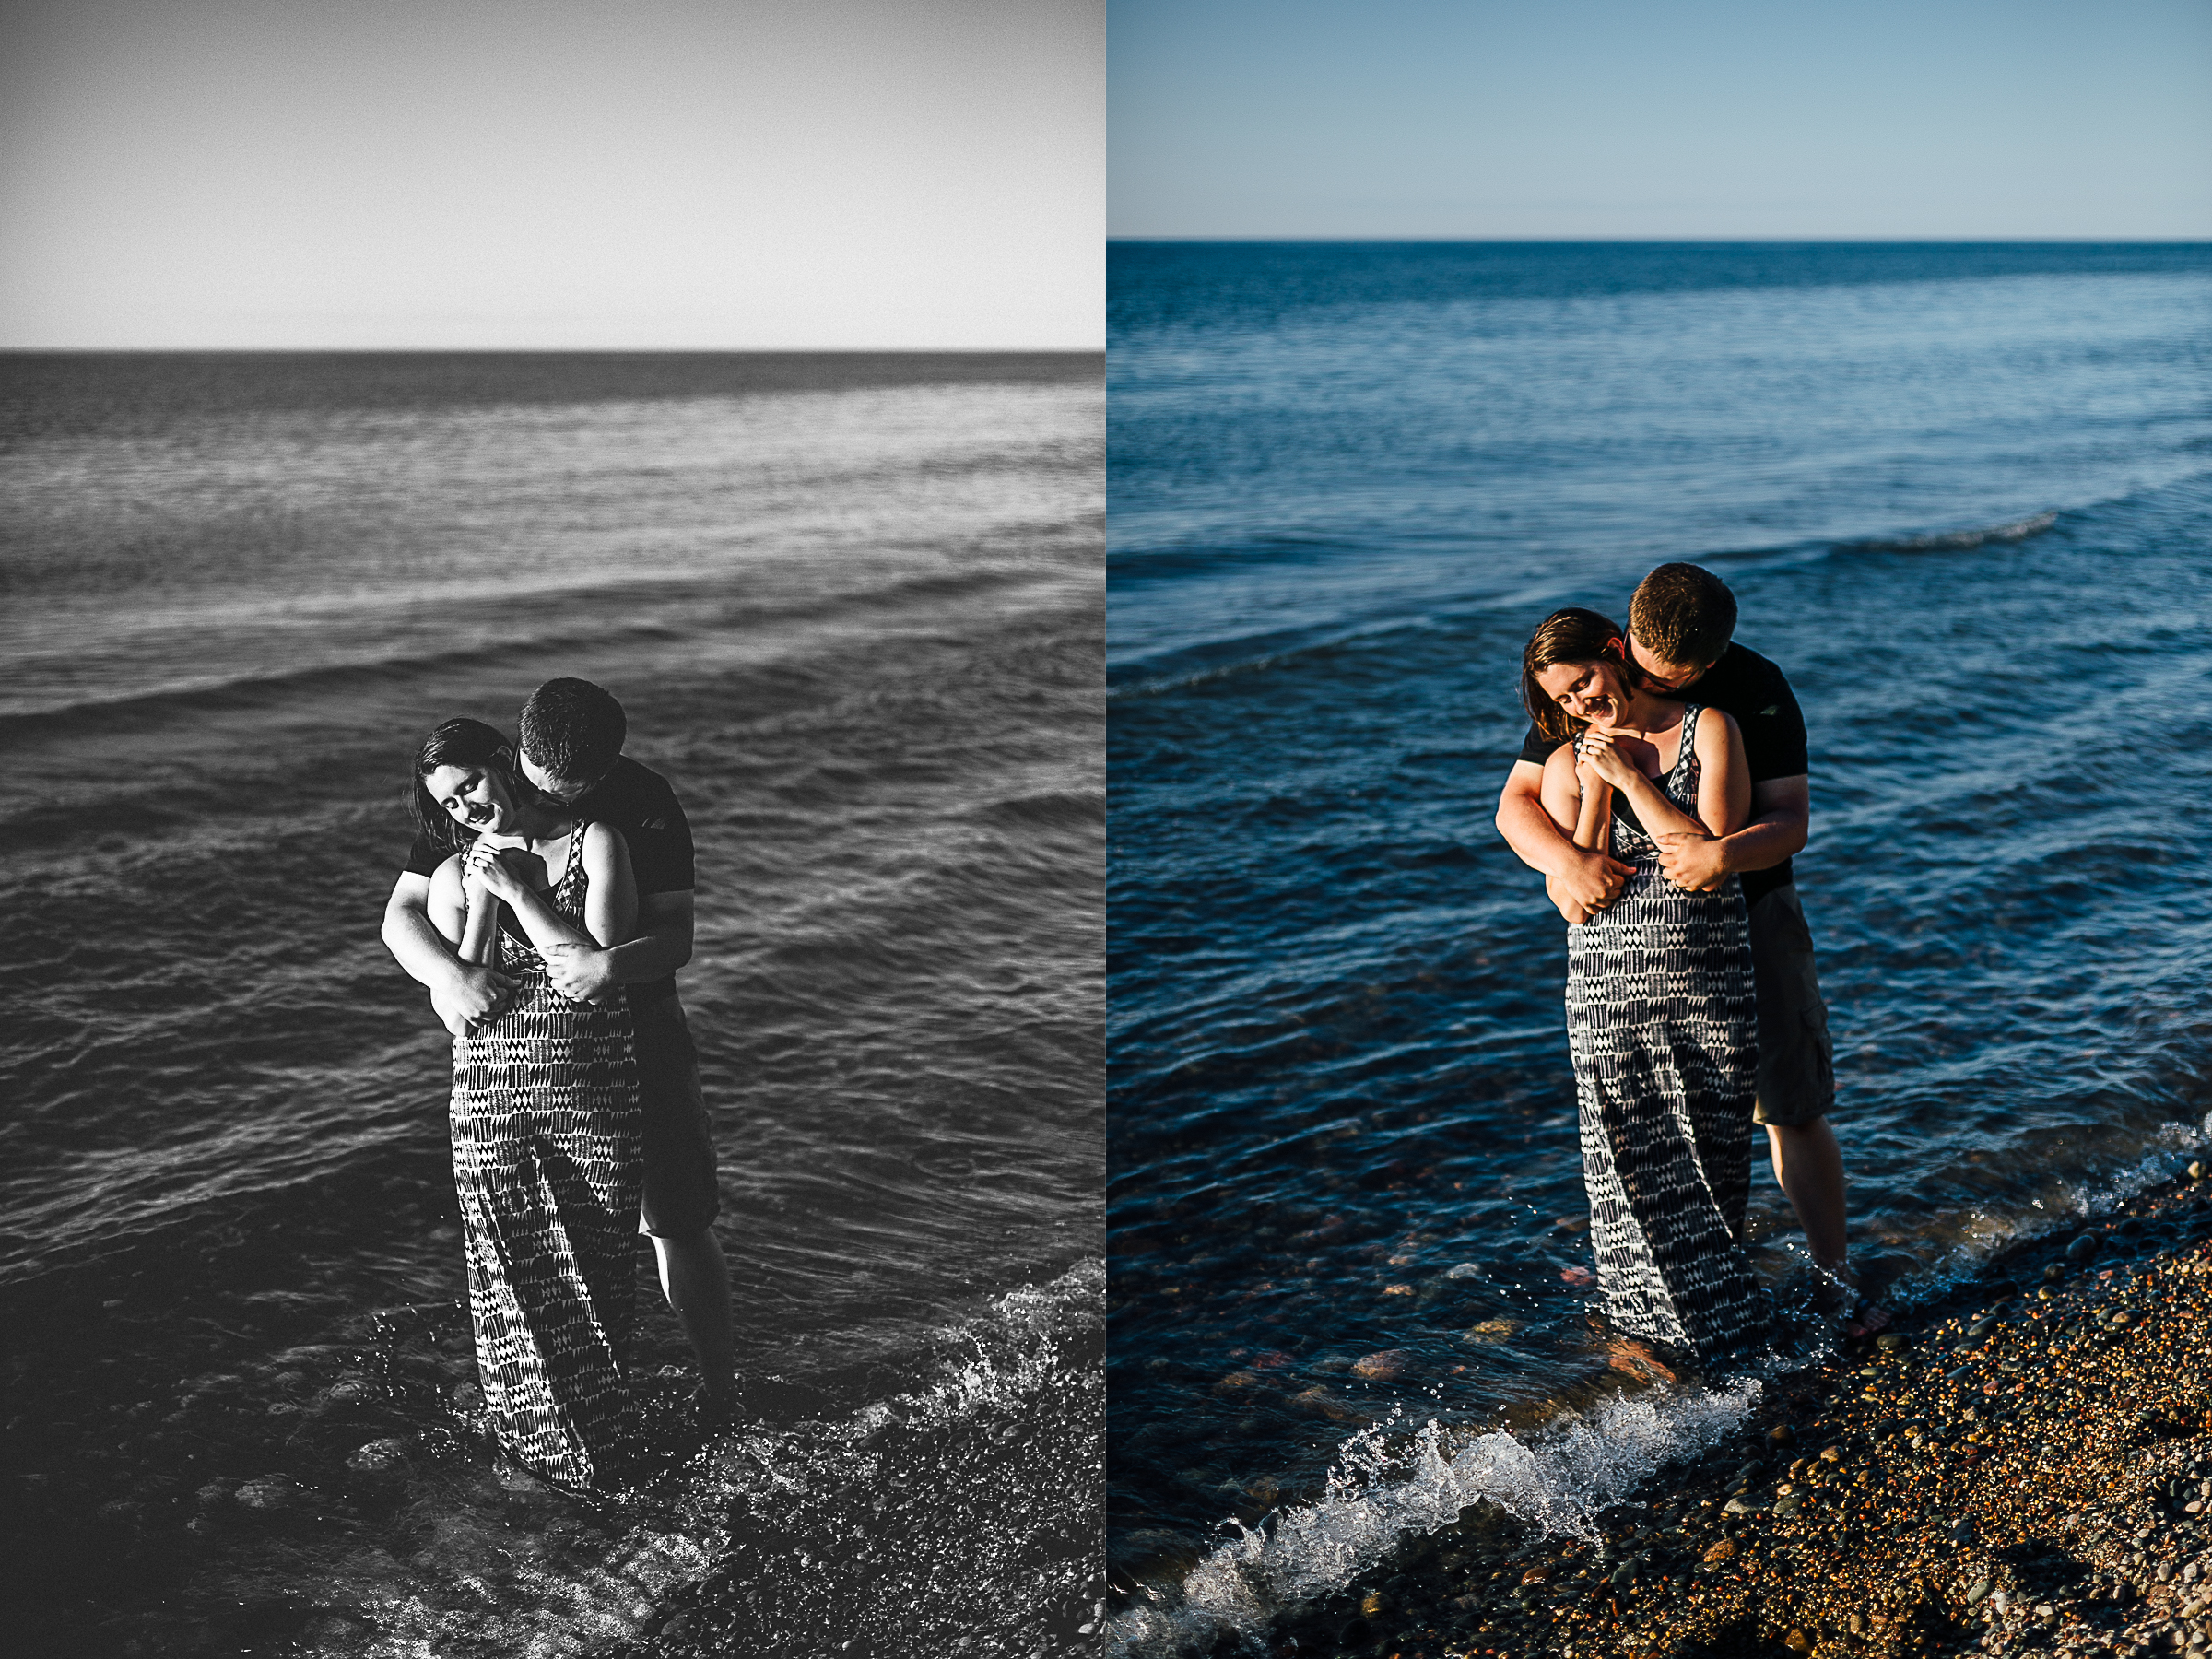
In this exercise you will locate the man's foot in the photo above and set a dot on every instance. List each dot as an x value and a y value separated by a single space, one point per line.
718 1407
1866 1318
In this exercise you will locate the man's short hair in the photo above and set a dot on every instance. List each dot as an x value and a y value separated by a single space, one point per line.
1683 614
573 730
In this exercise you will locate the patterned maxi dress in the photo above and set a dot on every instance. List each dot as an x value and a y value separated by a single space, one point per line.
1660 1020
547 1156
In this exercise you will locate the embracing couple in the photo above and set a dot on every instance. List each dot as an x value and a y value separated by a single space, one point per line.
546 904
1662 792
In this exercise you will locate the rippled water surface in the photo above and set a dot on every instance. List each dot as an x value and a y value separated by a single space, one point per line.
852 608
1964 497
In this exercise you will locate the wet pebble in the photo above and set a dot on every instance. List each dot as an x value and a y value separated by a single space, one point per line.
1387 1366
379 1457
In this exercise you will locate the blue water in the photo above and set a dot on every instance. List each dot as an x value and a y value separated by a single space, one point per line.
851 606
1964 497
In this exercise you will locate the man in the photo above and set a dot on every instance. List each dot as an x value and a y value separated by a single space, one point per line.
571 748
1680 624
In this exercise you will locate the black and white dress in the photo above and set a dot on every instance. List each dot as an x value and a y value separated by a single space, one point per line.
1660 1023
549 1155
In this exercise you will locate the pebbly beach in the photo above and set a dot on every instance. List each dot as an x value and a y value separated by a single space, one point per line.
2023 1464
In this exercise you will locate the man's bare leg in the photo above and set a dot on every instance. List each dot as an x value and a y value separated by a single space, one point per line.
697 1283
1808 1166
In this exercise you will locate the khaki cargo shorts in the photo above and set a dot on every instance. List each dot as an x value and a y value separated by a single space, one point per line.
1797 1064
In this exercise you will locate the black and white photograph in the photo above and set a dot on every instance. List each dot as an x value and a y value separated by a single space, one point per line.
552 827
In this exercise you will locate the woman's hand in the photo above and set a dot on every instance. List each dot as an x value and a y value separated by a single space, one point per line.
1597 757
484 868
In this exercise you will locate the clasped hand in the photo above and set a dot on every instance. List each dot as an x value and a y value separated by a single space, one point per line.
580 972
1597 761
1694 863
484 868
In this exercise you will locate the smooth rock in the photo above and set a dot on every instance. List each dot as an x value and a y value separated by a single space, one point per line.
379 1457
270 1492
1386 1366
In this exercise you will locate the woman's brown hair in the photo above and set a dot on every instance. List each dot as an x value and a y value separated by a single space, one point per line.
1569 636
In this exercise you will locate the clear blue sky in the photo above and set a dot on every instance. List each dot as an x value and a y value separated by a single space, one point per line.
1661 118
552 172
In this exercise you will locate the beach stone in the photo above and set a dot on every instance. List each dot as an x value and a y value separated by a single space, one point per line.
2084 1248
1722 1552
1386 1366
379 1457
1319 1400
1892 1342
1464 1270
270 1492
352 1391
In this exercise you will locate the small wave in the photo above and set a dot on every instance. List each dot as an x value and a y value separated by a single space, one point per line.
1955 541
1380 1493
965 1500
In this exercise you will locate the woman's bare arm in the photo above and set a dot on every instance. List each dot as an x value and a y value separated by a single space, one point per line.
447 903
1561 791
1723 774
1658 815
610 901
544 926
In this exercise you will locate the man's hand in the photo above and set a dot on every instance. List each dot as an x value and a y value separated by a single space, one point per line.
582 974
1587 887
474 994
1692 862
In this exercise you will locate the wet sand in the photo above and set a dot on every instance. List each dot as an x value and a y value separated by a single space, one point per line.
2024 1466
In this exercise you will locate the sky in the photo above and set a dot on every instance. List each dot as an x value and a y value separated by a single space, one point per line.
786 174
1595 118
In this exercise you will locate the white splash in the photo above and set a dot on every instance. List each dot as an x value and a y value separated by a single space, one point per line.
1380 1494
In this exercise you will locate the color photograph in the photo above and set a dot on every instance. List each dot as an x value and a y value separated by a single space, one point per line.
551 778
1656 584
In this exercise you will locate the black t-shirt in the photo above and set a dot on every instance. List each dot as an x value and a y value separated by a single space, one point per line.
634 800
1745 685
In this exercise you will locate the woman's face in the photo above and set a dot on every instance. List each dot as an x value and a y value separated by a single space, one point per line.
477 797
1598 692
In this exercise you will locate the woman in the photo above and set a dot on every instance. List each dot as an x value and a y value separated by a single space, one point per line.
547 1141
1659 1016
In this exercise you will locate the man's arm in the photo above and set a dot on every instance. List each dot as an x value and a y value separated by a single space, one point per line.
1780 825
460 992
662 945
1578 880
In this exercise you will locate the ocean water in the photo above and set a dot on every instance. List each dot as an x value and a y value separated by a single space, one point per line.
853 607
1964 497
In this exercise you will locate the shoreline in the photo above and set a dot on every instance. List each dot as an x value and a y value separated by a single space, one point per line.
2012 1467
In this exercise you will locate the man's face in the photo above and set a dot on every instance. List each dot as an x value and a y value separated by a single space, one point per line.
565 790
1664 675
